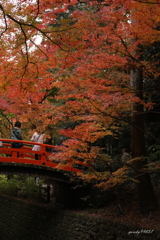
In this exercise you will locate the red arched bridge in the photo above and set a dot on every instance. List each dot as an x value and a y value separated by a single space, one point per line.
24 158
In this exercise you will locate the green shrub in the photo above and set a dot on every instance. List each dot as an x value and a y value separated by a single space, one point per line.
32 190
20 186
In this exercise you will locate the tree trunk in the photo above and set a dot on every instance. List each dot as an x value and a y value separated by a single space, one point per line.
147 199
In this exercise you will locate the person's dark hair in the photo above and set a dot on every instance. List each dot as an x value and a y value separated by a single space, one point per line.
17 124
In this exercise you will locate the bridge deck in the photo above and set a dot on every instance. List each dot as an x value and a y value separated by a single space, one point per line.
27 156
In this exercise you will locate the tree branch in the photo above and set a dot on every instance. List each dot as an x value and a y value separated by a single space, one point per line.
146 2
4 16
39 48
38 30
123 119
37 10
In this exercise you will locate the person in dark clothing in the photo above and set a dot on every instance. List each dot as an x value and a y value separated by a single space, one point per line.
16 134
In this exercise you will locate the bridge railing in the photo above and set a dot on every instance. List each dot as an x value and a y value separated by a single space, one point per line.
26 155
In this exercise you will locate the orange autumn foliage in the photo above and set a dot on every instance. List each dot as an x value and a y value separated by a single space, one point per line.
87 56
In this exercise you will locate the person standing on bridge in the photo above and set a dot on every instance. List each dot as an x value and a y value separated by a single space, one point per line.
16 134
39 138
125 156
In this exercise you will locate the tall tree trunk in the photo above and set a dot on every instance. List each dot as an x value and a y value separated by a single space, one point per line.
147 199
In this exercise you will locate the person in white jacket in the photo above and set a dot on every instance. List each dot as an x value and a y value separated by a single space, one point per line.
39 138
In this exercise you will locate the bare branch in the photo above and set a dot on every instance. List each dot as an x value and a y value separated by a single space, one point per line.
25 42
4 16
38 30
37 10
134 59
39 48
146 2
123 119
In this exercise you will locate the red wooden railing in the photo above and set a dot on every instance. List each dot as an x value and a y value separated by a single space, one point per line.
27 156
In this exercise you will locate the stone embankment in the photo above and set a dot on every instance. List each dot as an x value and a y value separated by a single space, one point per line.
20 220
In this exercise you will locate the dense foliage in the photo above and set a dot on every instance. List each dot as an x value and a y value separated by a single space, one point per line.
66 66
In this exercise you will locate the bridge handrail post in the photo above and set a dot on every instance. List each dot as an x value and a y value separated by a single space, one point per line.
42 154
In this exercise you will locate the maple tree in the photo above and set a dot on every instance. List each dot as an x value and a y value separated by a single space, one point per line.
80 72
